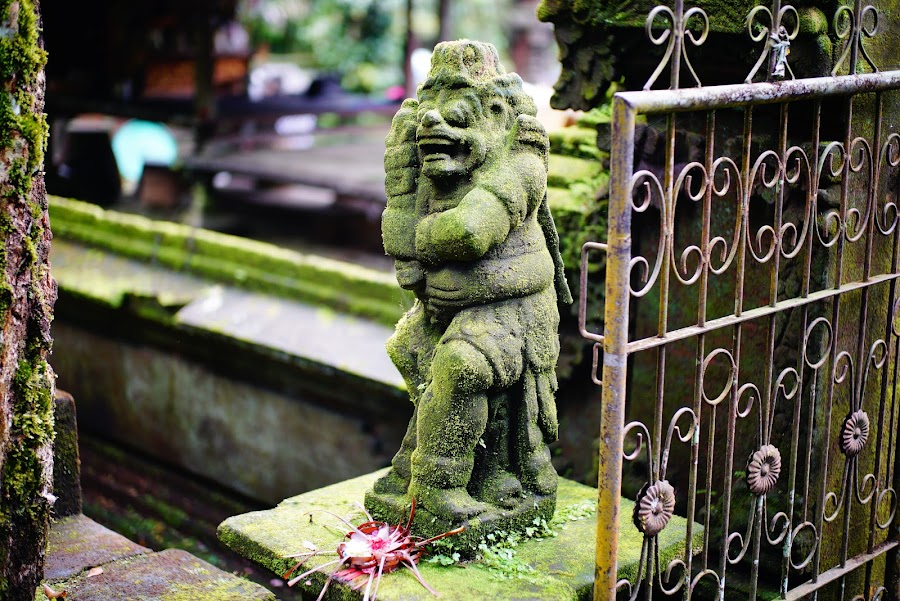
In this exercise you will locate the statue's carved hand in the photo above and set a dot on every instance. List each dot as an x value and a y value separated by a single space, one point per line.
410 274
530 133
401 168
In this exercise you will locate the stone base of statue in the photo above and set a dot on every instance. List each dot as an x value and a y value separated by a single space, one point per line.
530 511
555 562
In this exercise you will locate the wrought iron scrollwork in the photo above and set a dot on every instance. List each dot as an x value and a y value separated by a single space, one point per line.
851 25
777 35
674 32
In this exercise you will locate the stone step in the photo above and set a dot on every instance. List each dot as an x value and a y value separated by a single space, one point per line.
92 563
557 565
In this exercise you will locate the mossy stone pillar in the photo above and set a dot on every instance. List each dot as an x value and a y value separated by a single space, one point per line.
27 294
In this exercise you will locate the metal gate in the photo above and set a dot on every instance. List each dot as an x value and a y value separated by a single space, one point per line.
751 324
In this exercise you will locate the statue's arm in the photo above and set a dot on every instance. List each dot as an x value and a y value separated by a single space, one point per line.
504 194
398 222
478 223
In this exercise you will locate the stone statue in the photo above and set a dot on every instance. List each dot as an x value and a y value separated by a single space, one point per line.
468 224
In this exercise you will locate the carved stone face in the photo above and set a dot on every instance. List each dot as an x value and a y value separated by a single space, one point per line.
456 133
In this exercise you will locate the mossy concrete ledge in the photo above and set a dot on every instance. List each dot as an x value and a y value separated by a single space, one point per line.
555 565
91 563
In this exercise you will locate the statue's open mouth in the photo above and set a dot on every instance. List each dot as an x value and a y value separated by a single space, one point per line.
440 148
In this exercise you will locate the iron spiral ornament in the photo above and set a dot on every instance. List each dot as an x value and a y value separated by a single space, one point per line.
654 507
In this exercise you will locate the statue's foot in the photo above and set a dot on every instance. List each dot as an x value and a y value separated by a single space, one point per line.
542 479
503 490
452 504
392 483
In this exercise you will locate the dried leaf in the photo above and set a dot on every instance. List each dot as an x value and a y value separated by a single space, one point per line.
51 594
94 572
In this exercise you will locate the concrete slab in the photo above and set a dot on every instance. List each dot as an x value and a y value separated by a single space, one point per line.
317 334
341 341
559 566
110 278
171 575
78 543
323 165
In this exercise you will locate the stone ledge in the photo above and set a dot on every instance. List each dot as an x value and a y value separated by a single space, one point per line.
558 567
77 543
171 575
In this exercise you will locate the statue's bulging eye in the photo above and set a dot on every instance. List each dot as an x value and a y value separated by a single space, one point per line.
458 113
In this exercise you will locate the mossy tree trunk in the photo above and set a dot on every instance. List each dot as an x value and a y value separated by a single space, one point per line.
27 294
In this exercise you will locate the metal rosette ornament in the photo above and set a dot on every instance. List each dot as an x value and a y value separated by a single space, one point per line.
855 433
654 507
763 469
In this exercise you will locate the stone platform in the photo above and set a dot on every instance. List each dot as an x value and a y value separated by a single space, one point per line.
92 563
558 566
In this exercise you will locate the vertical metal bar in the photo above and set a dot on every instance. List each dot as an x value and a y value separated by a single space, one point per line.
769 377
678 32
892 568
615 356
835 327
776 23
870 240
736 346
810 224
701 352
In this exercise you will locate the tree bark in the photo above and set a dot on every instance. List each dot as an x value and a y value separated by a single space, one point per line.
27 294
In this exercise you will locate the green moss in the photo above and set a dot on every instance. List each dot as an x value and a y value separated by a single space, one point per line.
565 170
224 589
22 139
236 261
563 556
576 141
32 429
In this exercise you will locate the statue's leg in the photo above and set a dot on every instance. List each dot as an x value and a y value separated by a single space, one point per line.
405 347
452 415
536 469
493 480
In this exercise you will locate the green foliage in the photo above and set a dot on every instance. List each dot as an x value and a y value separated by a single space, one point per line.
497 552
355 38
363 40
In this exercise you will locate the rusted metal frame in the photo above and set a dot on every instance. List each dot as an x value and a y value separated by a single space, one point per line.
757 313
866 86
582 291
742 95
802 591
615 352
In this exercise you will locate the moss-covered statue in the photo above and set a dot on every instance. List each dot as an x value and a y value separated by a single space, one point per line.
468 224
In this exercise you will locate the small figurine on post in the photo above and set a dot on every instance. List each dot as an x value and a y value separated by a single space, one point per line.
468 224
